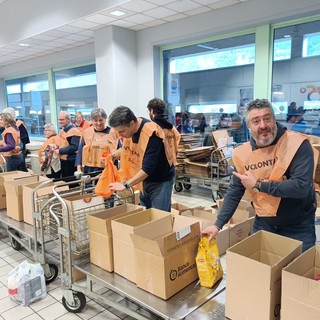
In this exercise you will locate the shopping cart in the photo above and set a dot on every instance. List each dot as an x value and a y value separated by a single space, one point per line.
215 174
74 253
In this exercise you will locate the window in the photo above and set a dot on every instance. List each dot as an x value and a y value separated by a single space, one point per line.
295 79
212 78
29 97
76 90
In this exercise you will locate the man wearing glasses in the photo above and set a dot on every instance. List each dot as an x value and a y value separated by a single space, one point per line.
276 167
68 145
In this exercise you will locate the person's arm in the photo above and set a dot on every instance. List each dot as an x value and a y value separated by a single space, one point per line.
72 147
10 143
298 184
230 202
79 155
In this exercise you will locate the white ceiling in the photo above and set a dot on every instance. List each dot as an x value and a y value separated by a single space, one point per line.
140 14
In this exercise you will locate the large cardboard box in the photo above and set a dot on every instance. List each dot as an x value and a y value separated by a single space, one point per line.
165 255
41 195
123 249
7 176
300 291
14 195
100 233
254 266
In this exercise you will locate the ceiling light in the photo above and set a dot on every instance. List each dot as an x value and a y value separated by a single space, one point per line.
24 44
205 46
117 13
287 36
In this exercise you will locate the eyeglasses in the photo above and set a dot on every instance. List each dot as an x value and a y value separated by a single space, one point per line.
47 130
265 119
61 119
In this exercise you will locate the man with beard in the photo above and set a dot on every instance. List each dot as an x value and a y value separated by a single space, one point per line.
276 167
156 109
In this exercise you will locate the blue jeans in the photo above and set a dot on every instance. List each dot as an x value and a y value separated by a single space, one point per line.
15 162
157 195
304 231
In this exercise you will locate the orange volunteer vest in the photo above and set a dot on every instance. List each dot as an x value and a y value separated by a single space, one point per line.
63 142
16 136
95 144
268 164
132 154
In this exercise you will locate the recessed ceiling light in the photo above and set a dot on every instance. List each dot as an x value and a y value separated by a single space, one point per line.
24 44
287 36
117 13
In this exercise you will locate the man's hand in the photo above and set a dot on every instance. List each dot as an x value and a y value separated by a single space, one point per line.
210 231
117 186
247 179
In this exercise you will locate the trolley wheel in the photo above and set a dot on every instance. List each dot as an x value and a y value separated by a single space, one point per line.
79 302
187 186
15 244
178 186
53 273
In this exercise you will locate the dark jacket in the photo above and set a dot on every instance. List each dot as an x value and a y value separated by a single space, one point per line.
297 192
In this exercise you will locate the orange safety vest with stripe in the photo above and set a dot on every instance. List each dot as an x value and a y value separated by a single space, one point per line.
95 144
268 164
16 136
63 141
132 154
53 141
173 138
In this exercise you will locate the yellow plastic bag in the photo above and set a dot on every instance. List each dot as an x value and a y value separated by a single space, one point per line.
208 263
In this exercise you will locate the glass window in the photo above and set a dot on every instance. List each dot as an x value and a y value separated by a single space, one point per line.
29 97
295 81
76 90
213 78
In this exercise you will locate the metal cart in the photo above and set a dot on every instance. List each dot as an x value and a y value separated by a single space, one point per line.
218 177
74 293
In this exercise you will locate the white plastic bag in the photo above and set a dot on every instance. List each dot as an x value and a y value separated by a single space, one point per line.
26 283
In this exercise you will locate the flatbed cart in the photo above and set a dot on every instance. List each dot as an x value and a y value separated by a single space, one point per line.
34 238
74 294
218 178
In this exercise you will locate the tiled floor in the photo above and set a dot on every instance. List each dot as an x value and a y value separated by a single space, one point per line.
51 308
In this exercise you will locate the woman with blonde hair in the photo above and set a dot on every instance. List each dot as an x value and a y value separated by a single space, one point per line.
11 143
49 161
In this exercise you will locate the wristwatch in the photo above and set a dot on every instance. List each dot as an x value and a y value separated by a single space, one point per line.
126 184
257 186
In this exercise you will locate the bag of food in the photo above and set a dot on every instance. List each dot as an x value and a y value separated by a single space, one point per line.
208 263
26 283
109 174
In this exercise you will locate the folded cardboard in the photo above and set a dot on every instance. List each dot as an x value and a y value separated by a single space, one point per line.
7 176
177 208
123 249
100 233
39 193
165 255
300 291
254 266
14 195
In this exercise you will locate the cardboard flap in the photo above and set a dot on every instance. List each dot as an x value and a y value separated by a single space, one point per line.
146 245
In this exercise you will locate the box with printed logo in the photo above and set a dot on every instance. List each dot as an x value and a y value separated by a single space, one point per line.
165 255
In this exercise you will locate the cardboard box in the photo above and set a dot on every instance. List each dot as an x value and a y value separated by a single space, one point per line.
300 291
238 228
7 176
100 234
14 195
254 266
123 249
165 255
41 195
177 208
